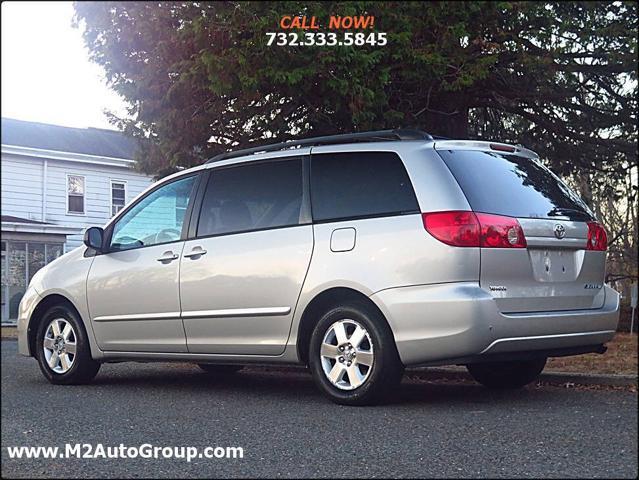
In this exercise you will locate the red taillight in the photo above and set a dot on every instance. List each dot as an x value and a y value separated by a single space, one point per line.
597 237
468 229
500 232
459 229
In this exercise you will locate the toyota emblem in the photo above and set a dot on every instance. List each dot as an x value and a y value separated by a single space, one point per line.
560 231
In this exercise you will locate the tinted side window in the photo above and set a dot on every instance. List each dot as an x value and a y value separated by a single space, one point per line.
362 184
512 185
252 197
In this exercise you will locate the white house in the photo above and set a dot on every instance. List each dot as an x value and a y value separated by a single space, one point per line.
57 181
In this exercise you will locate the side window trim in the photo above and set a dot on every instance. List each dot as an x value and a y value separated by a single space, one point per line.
194 189
189 208
196 205
305 215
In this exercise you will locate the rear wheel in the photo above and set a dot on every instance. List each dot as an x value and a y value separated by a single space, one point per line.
353 356
220 369
507 375
62 348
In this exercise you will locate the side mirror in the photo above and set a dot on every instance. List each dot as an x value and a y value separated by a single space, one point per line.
93 238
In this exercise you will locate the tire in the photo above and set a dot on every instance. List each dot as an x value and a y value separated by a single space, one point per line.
377 370
507 375
220 369
65 333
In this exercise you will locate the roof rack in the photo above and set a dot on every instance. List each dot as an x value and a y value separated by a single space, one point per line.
377 136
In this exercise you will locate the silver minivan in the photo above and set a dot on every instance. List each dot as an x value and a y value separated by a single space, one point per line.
357 255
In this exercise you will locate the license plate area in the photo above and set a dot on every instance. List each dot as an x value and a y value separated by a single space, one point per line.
555 265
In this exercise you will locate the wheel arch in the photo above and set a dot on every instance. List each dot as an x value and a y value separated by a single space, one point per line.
321 303
37 316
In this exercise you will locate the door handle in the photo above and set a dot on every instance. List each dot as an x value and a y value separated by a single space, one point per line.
167 257
196 252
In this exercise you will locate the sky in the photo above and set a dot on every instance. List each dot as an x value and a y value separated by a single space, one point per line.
46 72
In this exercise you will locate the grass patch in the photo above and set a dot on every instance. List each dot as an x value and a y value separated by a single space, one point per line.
621 359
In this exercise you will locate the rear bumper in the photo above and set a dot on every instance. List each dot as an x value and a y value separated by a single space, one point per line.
448 322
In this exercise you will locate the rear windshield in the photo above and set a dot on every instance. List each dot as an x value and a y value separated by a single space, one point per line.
511 185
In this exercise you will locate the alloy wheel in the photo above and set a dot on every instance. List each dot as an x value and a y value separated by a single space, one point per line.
346 354
59 345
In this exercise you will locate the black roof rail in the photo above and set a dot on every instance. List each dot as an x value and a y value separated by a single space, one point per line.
373 136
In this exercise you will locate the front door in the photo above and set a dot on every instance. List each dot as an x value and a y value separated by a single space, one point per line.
133 290
242 275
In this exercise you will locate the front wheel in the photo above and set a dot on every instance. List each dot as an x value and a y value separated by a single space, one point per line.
62 348
353 356
507 375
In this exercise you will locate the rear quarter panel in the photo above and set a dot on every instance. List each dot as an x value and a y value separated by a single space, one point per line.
393 251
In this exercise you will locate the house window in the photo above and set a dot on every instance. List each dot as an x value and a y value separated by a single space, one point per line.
118 196
75 194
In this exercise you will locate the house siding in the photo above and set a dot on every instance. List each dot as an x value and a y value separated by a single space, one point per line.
22 187
22 191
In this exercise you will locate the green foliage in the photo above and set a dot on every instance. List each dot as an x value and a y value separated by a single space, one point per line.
559 77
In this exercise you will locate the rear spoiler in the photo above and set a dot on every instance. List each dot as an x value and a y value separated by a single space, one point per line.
484 146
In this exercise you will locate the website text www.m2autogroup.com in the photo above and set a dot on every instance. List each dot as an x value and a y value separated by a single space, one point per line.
100 451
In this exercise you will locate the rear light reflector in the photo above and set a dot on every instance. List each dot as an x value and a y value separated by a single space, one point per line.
597 237
469 229
502 148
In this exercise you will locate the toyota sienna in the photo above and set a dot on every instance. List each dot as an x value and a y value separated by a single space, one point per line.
356 255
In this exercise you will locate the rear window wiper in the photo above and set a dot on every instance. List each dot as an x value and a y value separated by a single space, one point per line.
561 211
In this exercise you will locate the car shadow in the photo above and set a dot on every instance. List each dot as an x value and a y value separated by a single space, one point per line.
279 382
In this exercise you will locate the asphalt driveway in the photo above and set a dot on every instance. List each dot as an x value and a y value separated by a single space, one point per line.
287 429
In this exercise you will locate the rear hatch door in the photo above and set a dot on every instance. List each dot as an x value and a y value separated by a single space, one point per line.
555 271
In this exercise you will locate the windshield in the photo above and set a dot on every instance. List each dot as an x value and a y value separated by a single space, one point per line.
506 184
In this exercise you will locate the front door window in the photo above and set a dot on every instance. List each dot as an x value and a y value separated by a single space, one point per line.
154 220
